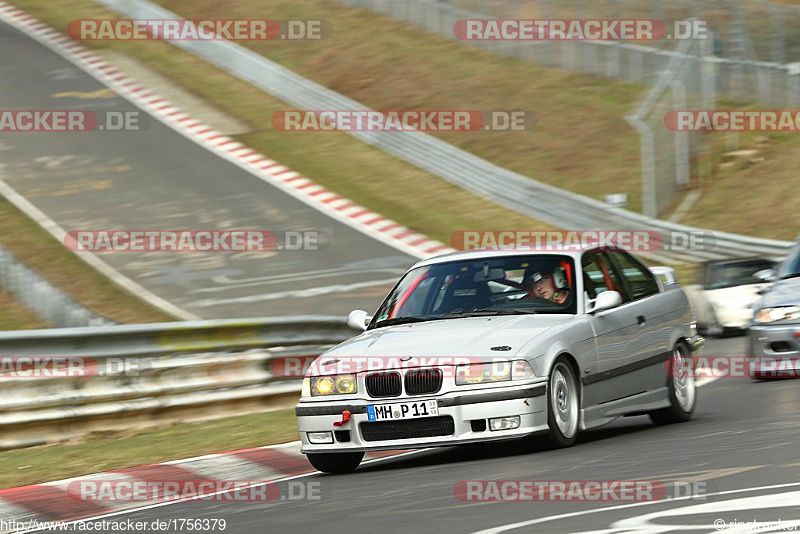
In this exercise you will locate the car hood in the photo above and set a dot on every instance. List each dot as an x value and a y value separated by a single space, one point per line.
469 336
782 293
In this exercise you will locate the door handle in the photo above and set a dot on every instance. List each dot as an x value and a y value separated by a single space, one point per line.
640 319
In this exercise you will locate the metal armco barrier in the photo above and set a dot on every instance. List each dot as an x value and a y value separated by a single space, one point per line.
44 299
153 374
543 202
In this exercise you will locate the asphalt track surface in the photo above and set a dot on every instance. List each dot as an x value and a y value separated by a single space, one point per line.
157 179
739 453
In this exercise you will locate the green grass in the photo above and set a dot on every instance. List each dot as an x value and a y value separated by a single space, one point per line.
759 199
14 316
581 142
106 451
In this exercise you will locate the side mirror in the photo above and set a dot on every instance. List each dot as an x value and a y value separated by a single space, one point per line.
604 301
358 320
765 275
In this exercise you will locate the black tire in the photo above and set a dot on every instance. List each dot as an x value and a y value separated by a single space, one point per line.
563 405
335 462
682 390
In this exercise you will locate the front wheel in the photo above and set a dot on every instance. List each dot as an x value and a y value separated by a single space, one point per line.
682 390
335 462
562 405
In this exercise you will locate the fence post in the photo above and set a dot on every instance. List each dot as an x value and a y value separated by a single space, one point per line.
682 161
708 75
549 46
792 74
777 35
647 151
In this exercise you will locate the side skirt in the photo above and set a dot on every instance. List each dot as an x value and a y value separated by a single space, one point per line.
602 414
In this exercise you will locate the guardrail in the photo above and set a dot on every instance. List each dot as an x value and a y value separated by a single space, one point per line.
44 299
544 202
152 374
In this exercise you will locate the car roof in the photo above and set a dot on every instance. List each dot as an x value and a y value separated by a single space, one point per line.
731 261
571 251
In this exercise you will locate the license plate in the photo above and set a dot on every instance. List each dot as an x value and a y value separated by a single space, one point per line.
402 410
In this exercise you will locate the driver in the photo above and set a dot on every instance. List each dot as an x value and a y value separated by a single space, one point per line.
549 287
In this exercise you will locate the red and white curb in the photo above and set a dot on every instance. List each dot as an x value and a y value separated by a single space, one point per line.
52 502
268 170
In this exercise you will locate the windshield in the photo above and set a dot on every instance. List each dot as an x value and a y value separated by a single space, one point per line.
790 267
542 283
738 273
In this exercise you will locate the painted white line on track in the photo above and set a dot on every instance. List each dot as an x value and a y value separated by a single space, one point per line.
568 515
90 259
700 382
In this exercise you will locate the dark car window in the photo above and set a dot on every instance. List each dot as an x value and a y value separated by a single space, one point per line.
599 275
641 281
735 273
483 286
791 265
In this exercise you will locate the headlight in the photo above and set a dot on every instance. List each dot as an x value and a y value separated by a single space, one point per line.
332 385
772 315
488 373
346 384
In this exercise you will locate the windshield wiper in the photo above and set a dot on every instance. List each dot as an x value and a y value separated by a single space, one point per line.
793 275
507 311
482 312
488 312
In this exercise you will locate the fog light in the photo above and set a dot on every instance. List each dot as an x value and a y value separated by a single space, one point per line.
319 438
504 423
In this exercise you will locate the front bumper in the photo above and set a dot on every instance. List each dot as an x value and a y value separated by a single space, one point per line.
528 401
734 318
775 350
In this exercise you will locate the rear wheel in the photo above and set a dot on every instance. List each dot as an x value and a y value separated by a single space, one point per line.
682 389
562 405
335 462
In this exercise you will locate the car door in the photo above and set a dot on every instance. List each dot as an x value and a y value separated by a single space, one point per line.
655 312
617 333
